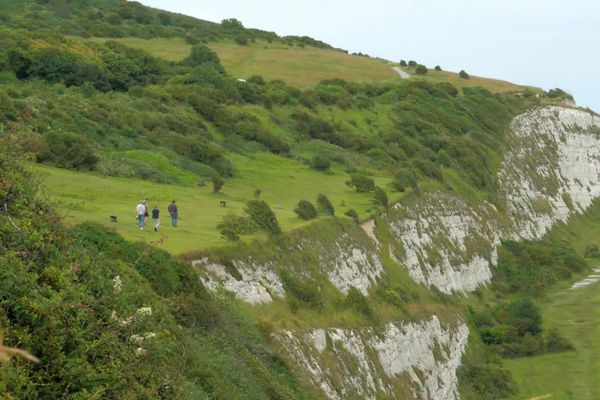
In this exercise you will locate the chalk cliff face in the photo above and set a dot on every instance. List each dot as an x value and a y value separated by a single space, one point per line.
551 171
360 364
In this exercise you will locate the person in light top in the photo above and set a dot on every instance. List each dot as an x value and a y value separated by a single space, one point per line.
140 212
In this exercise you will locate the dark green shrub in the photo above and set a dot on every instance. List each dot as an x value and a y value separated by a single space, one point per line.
403 63
421 70
240 224
405 178
307 293
438 68
256 79
217 183
241 40
229 234
463 74
325 205
67 150
321 162
201 55
591 251
429 169
262 215
305 210
206 75
412 63
556 343
380 197
361 183
352 214
358 302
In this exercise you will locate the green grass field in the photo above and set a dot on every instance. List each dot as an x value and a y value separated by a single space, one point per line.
90 197
568 375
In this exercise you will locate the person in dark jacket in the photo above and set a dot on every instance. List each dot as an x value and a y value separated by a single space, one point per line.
174 213
156 218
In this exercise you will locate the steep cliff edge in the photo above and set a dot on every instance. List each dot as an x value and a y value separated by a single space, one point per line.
550 172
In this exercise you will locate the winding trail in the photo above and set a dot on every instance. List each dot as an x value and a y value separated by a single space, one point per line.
403 74
575 312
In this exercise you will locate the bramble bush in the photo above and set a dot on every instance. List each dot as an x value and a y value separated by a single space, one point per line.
305 210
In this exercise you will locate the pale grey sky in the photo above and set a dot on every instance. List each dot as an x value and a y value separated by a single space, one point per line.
544 43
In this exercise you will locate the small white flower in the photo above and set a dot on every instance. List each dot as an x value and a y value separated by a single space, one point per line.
144 311
140 352
117 284
137 339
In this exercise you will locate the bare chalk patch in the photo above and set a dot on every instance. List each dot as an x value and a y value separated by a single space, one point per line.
593 278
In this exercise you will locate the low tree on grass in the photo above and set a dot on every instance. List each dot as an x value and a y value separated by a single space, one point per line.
438 68
403 63
463 74
421 70
305 210
321 162
325 205
380 197
403 179
361 183
262 215
217 183
352 214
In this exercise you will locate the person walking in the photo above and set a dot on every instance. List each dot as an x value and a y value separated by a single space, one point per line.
140 211
155 218
174 213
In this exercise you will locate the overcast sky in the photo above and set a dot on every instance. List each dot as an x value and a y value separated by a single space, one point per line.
544 43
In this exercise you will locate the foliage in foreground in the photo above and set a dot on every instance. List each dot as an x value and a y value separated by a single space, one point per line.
116 319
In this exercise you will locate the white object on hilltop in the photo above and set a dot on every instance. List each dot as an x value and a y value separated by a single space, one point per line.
593 278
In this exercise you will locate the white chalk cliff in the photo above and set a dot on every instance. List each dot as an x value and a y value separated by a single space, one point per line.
550 172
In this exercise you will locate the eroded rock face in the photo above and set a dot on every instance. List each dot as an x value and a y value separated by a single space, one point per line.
347 264
424 355
445 243
551 172
253 283
552 169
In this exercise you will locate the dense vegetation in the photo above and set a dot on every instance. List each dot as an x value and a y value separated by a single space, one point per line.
115 319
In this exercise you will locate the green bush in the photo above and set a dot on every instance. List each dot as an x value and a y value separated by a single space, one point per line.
380 197
403 63
324 205
305 210
229 234
352 214
67 150
307 293
438 68
357 301
463 74
201 56
421 70
591 251
262 215
217 184
361 183
321 162
405 178
240 224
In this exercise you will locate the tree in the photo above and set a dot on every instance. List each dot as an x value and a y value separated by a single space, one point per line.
262 215
325 205
67 150
201 55
305 210
217 183
463 74
405 178
438 68
381 197
421 70
352 214
403 63
361 183
412 63
321 162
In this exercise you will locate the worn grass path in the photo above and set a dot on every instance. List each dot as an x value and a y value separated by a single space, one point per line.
569 375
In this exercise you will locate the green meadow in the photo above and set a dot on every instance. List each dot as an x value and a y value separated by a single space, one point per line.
82 196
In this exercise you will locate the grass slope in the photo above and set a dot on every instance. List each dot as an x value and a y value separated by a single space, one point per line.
301 67
569 375
90 197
